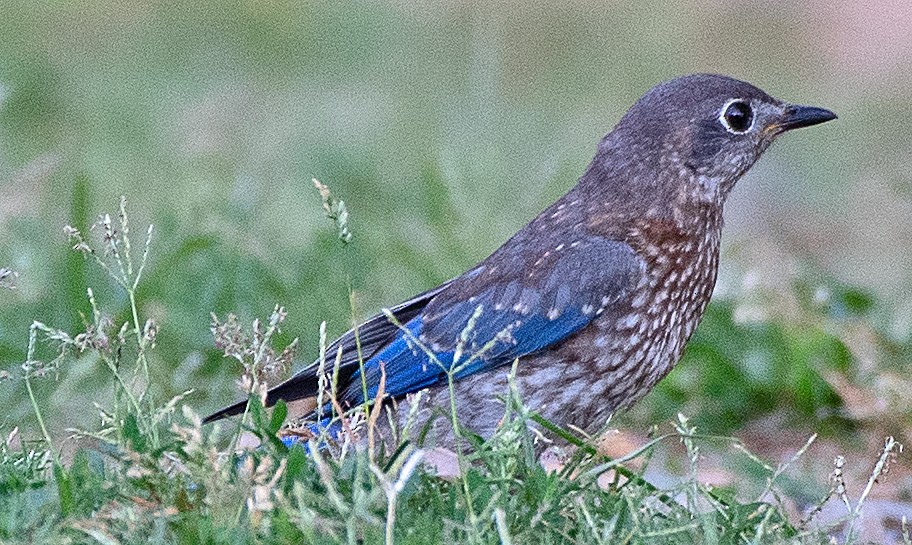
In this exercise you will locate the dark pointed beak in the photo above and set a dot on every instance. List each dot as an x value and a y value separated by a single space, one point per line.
795 117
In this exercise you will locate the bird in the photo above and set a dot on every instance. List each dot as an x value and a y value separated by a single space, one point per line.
594 299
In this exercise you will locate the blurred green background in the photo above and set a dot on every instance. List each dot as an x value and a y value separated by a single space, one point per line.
445 126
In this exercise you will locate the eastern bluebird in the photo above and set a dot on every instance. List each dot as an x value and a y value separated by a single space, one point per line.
596 296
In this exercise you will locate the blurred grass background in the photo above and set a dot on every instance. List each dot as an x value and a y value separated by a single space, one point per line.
445 126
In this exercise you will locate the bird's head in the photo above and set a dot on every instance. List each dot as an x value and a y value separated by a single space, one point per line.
699 134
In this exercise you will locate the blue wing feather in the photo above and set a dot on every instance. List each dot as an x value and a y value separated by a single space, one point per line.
407 367
552 300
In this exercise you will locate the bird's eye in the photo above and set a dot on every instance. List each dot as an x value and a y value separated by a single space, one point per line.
738 117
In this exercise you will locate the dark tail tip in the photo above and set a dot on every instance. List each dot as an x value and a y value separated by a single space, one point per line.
297 387
230 410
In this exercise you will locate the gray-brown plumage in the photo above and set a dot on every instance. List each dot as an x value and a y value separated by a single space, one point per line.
598 295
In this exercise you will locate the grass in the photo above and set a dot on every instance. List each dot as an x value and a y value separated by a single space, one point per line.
442 129
151 473
446 128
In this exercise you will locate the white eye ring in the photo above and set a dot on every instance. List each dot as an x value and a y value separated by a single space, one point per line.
733 115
